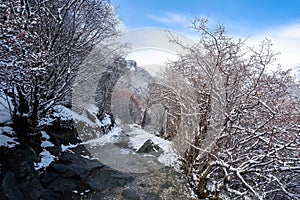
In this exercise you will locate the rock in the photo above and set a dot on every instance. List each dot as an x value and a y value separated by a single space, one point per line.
87 131
165 183
17 189
130 195
107 82
31 187
149 147
105 177
152 196
161 184
75 173
23 170
62 185
9 188
19 176
63 132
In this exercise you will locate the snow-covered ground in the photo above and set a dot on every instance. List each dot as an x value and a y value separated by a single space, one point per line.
138 137
106 147
5 106
7 135
46 157
131 136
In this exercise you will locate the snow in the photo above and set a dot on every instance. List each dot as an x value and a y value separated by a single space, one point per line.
106 120
62 113
111 137
7 138
5 104
8 142
7 134
117 149
46 157
4 116
68 147
138 137
192 193
47 144
134 136
8 130
65 114
88 157
45 135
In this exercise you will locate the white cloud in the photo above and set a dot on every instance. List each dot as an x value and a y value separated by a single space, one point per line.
171 19
286 40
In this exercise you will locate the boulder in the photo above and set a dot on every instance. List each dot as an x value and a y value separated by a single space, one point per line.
130 195
72 173
9 189
20 181
149 147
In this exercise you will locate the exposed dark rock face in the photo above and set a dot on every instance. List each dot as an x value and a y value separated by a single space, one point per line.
75 176
70 177
17 175
62 132
149 147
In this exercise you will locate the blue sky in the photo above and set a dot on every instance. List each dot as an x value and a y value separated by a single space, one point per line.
239 16
275 19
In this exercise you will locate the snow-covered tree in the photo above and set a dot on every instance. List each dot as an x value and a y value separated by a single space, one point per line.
42 43
246 136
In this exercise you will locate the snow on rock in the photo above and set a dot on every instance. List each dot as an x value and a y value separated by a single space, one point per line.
138 137
7 134
7 130
7 138
8 142
62 113
46 157
45 136
5 106
88 157
111 137
106 120
68 147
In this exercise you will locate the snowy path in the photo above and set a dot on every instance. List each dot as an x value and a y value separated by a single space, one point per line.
118 148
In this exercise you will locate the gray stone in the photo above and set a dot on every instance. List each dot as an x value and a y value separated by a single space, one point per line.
9 187
149 147
73 172
24 170
104 178
166 185
74 165
35 188
152 196
61 185
130 195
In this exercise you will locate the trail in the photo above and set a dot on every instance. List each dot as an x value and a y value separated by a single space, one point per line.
118 149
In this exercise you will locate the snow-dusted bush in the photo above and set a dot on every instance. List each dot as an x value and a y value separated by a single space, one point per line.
42 43
245 118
